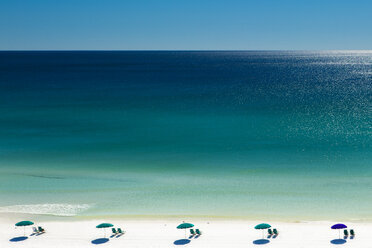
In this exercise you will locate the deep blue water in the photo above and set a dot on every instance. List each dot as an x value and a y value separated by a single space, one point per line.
222 131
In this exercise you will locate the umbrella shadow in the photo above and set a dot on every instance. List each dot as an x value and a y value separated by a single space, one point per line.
17 239
338 241
261 241
100 241
181 242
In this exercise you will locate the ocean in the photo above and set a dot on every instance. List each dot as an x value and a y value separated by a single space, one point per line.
236 134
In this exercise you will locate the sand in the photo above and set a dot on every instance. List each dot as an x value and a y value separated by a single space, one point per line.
158 233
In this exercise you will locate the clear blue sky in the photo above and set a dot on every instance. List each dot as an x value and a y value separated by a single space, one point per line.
185 24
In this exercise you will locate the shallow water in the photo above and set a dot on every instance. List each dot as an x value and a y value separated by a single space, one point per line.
282 135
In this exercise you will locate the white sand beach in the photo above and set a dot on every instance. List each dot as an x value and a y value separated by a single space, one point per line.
163 233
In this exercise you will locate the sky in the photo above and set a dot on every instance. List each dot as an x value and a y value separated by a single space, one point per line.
185 24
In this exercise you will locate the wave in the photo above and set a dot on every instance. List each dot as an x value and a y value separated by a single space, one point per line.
47 209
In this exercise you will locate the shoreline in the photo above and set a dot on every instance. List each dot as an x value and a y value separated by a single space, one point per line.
78 218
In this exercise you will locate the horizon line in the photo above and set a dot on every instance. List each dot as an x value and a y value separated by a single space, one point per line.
185 50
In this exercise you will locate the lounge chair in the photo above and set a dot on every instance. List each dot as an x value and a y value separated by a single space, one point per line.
120 231
352 233
192 232
198 232
346 233
275 231
41 230
114 231
35 230
269 232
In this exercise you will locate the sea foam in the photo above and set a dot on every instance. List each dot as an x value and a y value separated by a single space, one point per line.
47 209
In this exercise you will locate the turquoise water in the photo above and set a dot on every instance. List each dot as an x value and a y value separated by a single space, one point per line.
280 135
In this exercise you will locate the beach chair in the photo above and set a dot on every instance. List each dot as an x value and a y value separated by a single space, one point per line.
198 232
41 230
192 232
120 231
35 230
269 232
113 231
352 233
346 233
275 231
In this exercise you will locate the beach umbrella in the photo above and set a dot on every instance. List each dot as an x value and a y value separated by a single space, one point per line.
339 226
24 223
262 227
185 226
104 226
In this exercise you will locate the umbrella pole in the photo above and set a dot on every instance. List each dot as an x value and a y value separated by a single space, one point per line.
262 233
24 231
185 233
339 234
